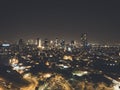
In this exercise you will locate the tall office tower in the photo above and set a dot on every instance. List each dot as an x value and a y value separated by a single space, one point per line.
21 44
84 40
56 42
46 43
39 43
62 43
73 44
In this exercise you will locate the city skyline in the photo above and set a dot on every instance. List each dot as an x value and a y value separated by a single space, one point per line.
61 19
59 45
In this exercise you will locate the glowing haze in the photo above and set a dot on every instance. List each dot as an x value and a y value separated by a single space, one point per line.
62 19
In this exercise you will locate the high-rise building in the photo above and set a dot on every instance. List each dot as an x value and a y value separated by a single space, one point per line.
56 42
46 43
62 43
39 43
21 44
73 42
31 42
84 40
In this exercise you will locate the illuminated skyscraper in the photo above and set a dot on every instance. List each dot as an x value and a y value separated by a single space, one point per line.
39 43
56 42
62 43
84 40
46 43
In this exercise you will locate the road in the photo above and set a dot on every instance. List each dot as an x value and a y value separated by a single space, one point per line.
57 82
33 83
116 83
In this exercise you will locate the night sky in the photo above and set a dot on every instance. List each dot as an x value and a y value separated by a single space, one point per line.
65 19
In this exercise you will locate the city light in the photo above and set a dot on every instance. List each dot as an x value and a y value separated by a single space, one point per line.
67 57
50 64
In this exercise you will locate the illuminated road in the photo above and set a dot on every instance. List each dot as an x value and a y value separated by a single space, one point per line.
115 82
33 83
56 83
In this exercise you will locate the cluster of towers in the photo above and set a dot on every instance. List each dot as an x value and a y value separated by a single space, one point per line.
56 42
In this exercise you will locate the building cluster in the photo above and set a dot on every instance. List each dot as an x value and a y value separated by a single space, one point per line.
72 59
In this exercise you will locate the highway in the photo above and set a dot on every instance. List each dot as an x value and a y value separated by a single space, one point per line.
33 83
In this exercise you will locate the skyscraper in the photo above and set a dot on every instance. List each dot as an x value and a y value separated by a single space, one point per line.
39 42
21 44
84 40
46 43
56 42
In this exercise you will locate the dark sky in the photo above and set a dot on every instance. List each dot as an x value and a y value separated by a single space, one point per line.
64 19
